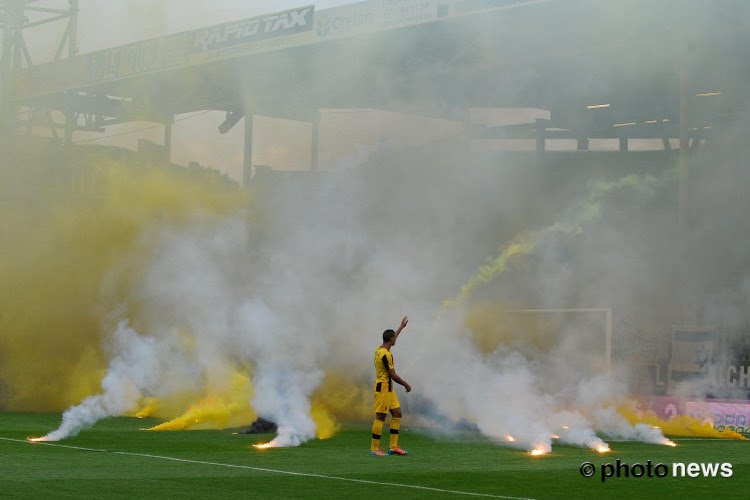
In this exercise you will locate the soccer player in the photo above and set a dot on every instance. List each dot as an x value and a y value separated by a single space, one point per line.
385 395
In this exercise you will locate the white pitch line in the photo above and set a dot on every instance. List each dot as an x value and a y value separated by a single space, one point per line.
676 439
47 443
275 471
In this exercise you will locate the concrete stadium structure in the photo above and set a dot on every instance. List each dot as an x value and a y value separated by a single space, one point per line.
630 69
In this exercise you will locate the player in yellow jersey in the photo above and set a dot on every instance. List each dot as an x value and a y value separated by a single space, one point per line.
385 394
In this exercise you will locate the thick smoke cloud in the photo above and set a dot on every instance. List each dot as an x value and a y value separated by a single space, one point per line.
292 291
297 285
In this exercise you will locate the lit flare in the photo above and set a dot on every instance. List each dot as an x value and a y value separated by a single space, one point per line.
263 446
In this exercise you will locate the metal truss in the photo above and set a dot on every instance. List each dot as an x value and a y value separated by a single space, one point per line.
16 17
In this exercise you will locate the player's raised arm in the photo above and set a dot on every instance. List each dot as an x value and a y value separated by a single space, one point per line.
404 322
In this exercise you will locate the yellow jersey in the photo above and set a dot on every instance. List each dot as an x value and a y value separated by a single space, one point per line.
383 364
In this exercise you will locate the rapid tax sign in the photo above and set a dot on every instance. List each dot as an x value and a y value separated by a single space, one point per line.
192 48
252 30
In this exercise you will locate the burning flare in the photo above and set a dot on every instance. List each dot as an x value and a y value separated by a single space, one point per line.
540 449
603 448
36 439
263 446
509 438
668 442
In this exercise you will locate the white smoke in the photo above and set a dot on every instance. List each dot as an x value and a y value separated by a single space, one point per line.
288 293
133 371
615 425
283 383
306 284
498 393
243 305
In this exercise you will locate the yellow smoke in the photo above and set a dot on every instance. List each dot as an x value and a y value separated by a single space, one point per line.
589 210
335 399
147 407
520 245
679 425
338 398
218 409
325 423
63 229
492 323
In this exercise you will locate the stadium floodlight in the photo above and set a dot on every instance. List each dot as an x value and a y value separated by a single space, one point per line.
230 121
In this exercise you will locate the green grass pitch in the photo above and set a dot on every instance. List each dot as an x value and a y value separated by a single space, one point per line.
125 462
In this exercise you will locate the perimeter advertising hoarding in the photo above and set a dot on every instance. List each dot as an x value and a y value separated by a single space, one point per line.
723 414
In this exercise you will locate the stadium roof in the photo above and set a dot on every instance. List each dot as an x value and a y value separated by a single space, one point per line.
600 67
